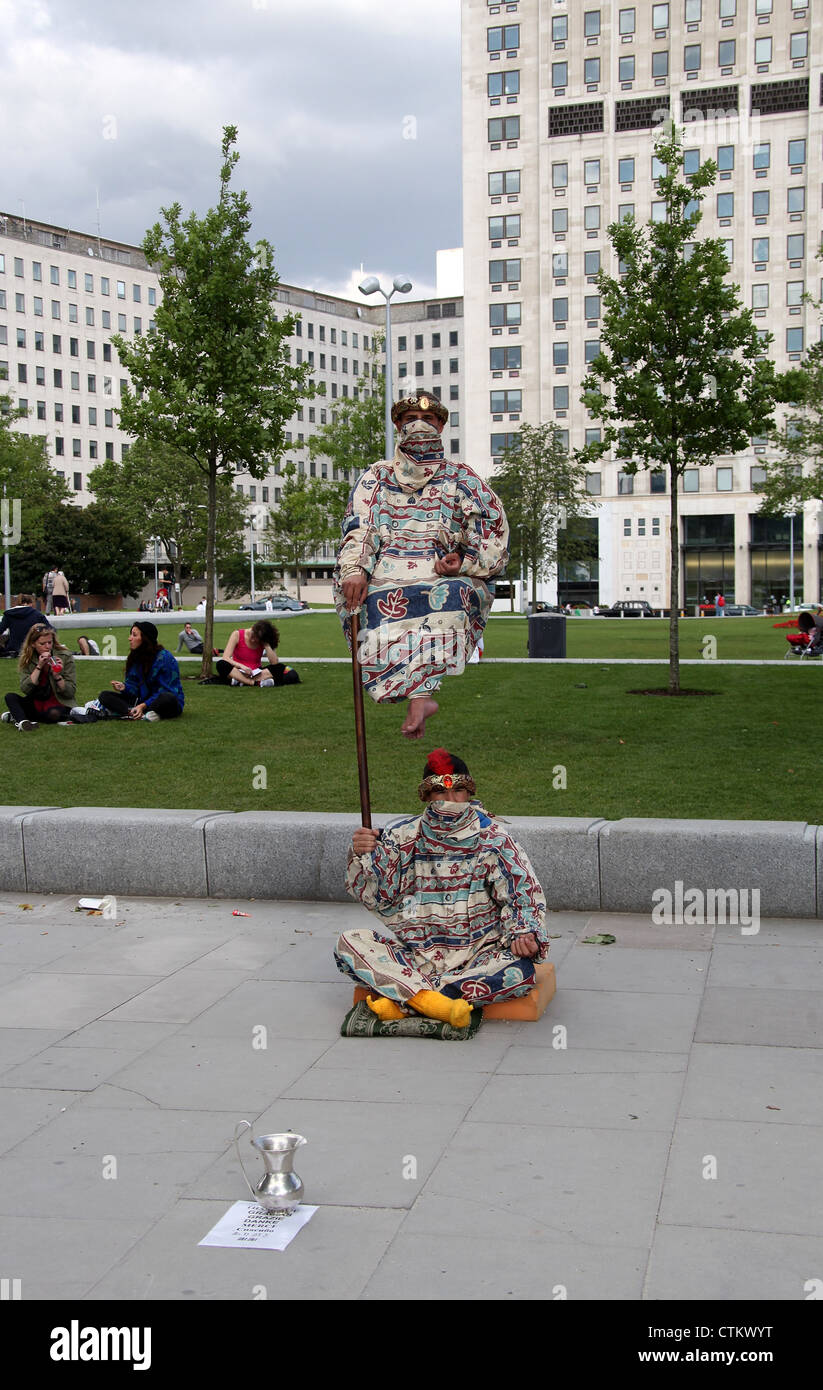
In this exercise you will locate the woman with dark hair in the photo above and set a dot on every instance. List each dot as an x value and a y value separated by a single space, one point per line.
152 688
241 663
47 682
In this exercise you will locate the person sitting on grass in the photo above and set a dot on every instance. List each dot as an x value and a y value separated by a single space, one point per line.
190 638
16 622
87 647
151 689
241 662
47 682
460 897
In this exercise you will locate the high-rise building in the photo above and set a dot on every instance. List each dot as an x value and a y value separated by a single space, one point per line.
563 101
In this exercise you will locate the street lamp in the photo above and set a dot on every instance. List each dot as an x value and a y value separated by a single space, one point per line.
402 285
790 516
156 581
251 553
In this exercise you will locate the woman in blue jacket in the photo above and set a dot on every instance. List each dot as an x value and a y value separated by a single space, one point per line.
152 688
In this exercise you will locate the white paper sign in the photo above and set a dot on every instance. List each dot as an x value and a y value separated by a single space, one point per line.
247 1226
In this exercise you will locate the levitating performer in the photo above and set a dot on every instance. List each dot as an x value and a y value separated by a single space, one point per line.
460 898
421 538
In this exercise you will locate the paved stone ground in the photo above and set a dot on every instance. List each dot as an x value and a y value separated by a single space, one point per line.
536 1165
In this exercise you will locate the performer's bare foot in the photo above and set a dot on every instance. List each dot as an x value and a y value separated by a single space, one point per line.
421 708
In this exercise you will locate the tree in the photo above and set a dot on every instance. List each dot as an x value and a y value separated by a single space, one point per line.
680 376
213 381
306 516
162 492
356 436
541 487
98 551
796 475
32 490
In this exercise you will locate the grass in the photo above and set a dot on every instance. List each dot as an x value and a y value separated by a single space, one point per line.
319 634
742 754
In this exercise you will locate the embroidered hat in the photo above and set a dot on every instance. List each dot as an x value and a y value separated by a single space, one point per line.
445 772
419 400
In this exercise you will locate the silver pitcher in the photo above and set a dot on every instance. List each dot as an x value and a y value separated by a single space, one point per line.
279 1188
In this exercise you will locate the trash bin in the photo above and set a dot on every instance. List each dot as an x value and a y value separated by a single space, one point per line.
547 635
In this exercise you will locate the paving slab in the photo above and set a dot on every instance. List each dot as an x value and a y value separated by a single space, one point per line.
638 930
55 999
775 966
635 969
564 1061
700 1263
67 1069
18 1044
29 1109
180 998
773 1085
618 1018
630 1101
61 1257
772 1018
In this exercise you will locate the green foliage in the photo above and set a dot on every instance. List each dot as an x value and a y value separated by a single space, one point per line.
796 475
161 492
356 436
26 473
213 381
97 550
307 515
681 376
541 487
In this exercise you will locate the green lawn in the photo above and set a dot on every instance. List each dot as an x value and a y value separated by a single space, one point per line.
743 753
319 634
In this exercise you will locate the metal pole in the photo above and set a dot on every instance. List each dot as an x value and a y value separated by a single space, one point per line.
360 726
156 581
791 562
6 571
251 553
388 381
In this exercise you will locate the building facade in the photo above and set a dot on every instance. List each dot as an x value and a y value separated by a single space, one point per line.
563 102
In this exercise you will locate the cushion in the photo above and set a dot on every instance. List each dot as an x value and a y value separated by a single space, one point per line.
360 1022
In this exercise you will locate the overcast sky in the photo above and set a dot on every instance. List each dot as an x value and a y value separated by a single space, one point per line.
348 116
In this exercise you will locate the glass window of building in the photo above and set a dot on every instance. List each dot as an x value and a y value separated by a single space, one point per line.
763 50
725 157
591 70
560 264
760 296
591 171
691 160
760 203
725 205
625 170
560 354
760 248
794 339
626 68
794 292
797 152
591 23
593 484
560 221
796 246
560 397
728 9
591 262
660 16
503 84
691 57
762 155
625 211
560 310
796 200
694 11
724 479
592 306
725 53
691 480
660 63
560 28
560 175
591 217
504 181
799 46
626 21
560 74
625 485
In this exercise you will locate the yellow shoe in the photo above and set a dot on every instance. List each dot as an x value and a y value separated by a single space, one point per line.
457 1012
386 1009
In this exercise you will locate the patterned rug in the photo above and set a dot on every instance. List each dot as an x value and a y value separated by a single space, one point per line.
360 1022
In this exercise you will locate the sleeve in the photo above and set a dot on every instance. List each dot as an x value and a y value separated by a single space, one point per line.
485 530
164 679
514 887
180 639
378 879
69 678
359 538
27 685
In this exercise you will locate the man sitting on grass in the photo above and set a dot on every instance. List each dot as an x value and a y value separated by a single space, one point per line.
461 898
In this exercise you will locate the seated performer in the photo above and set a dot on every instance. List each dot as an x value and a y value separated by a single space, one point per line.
421 537
460 897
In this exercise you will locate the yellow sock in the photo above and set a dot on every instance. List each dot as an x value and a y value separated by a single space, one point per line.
457 1012
386 1009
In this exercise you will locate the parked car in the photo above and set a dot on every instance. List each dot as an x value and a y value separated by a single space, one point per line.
629 608
282 603
542 608
742 610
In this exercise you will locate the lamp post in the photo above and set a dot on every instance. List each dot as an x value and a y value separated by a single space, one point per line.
156 580
790 516
402 285
6 571
251 554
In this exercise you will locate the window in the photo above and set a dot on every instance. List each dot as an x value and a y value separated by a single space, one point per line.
797 152
694 9
625 485
794 339
725 205
41 410
22 375
560 29
505 402
38 306
71 279
21 337
691 480
626 24
75 415
591 70
560 310
727 248
691 57
592 348
794 292
501 442
505 181
560 397
641 526
625 170
560 354
760 203
725 53
93 415
762 156
591 23
795 247
591 217
660 63
121 289
503 84
560 221
658 211
691 159
76 451
39 342
20 303
593 484
591 171
763 50
626 69
135 294
500 227
504 128
592 306
501 272
560 264
760 248
660 16
799 46
591 262
560 74
58 378
503 36
560 176
763 6
728 9
760 296
625 211
796 200
725 479
54 274
502 315
153 300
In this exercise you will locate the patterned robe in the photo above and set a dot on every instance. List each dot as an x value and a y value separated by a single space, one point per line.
454 889
416 626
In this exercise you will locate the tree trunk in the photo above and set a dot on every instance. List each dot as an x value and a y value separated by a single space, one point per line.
211 566
674 586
